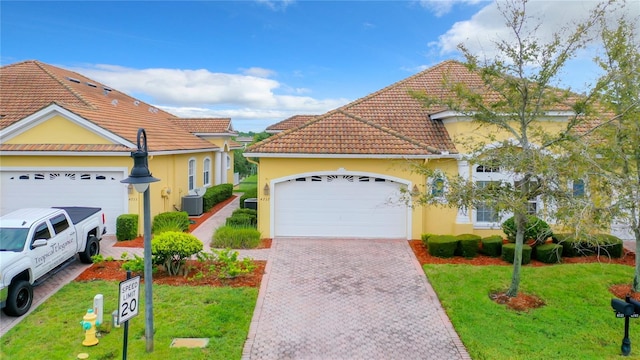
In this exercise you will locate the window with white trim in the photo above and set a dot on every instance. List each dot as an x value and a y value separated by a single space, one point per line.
192 174
228 162
485 215
206 172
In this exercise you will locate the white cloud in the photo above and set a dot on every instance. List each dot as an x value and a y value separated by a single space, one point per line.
443 7
488 25
276 4
201 93
259 72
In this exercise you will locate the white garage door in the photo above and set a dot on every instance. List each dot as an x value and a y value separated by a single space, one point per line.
340 206
20 189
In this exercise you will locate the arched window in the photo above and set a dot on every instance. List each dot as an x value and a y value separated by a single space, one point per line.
192 174
206 172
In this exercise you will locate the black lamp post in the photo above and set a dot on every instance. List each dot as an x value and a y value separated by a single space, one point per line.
140 178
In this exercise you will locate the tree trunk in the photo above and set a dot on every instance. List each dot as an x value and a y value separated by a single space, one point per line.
517 256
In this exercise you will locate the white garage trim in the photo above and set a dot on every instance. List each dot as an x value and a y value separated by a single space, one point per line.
406 216
66 186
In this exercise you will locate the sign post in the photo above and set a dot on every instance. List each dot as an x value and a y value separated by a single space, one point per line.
128 305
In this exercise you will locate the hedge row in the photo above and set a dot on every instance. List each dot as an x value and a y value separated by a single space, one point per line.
216 194
602 244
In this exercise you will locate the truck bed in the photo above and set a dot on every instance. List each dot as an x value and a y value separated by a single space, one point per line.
78 213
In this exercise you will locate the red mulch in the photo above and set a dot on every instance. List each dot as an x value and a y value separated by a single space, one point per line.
525 302
112 270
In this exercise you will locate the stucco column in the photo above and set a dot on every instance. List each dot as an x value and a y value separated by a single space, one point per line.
463 214
225 165
217 174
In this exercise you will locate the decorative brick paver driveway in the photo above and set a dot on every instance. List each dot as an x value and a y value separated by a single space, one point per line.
348 299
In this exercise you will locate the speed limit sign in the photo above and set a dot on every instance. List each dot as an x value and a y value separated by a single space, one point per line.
129 295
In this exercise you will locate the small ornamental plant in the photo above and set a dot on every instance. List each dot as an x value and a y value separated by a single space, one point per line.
173 248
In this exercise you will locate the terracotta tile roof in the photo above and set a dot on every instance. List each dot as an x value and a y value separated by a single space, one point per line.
206 125
390 112
358 127
339 132
32 85
290 123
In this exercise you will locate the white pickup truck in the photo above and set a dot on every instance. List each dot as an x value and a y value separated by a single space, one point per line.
35 242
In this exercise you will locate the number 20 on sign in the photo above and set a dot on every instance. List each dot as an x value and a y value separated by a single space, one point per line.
129 296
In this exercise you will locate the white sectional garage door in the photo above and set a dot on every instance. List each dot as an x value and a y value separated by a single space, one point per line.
340 206
20 189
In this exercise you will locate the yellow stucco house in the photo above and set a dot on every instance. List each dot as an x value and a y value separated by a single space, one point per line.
344 173
66 140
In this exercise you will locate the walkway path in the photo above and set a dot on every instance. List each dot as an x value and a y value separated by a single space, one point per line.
348 299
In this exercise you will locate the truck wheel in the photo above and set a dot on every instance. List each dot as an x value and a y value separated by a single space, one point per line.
92 248
19 298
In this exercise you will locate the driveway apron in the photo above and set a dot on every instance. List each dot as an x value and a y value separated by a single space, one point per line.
348 299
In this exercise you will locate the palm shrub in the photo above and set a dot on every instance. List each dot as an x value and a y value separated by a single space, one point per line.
443 246
468 245
173 248
536 229
170 221
126 227
508 251
492 245
235 237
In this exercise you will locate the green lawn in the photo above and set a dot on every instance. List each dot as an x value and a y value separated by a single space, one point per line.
577 321
250 182
53 330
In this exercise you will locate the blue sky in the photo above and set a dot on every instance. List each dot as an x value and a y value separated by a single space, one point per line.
259 62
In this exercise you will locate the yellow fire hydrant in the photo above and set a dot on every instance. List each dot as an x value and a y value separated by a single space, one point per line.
89 325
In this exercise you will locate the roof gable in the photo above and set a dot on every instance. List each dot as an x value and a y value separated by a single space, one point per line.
55 125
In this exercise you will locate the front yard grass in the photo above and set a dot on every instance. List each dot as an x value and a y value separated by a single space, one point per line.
53 330
248 183
577 321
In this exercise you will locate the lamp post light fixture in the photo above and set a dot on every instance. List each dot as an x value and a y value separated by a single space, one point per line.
140 178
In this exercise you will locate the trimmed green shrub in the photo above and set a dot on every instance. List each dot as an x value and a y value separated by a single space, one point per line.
549 253
571 246
606 244
492 245
126 227
243 217
425 239
509 250
250 193
172 248
443 246
235 238
241 220
216 194
468 245
536 229
170 221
